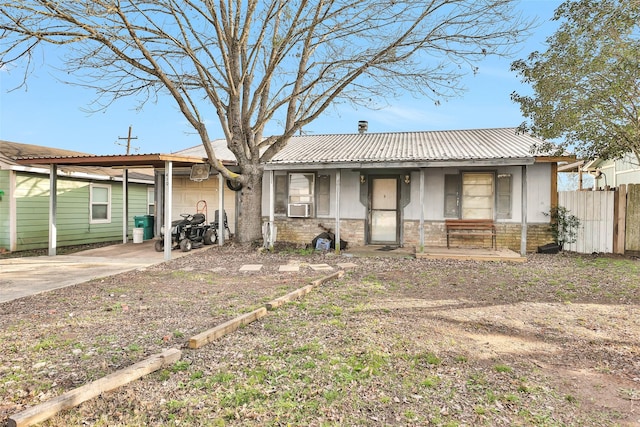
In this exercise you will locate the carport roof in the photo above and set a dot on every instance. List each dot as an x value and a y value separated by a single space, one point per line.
130 160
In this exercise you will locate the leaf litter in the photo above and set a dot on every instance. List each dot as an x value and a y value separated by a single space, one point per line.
396 341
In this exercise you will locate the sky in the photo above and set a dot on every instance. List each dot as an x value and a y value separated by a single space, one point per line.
53 114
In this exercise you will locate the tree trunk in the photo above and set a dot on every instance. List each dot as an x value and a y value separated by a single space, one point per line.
250 207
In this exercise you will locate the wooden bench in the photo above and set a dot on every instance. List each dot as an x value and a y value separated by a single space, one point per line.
471 227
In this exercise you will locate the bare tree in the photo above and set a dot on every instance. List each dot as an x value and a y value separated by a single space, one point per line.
256 62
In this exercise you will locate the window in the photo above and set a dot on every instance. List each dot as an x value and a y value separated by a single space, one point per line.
151 204
503 208
301 194
477 195
100 203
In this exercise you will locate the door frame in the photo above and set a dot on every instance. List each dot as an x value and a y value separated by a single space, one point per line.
398 209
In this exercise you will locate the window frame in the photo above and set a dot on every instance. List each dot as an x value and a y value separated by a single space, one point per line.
490 198
302 198
320 197
151 201
499 192
93 203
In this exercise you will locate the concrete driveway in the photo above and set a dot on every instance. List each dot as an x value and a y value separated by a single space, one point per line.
20 277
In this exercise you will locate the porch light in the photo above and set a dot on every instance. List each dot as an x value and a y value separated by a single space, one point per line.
363 179
407 179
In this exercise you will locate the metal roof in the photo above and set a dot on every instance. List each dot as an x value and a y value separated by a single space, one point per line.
10 151
392 149
399 149
15 155
219 147
431 146
124 160
31 155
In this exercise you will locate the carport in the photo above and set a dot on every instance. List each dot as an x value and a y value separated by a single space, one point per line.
166 162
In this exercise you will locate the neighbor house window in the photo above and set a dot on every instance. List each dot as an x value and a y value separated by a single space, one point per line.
100 203
151 201
503 205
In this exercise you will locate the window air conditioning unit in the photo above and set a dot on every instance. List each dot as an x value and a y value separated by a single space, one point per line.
301 210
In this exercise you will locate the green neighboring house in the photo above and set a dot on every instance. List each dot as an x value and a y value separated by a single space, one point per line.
89 200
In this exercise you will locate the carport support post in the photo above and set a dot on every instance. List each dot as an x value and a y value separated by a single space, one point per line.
53 205
523 236
272 198
168 201
220 209
422 210
125 205
337 233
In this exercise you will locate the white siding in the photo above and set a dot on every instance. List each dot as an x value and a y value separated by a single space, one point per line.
538 191
538 188
350 206
187 193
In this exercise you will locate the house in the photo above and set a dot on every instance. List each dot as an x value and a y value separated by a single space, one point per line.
398 189
613 173
89 199
609 220
392 189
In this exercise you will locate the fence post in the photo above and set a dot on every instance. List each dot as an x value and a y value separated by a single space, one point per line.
619 219
632 220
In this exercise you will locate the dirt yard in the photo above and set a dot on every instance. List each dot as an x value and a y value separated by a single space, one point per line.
554 341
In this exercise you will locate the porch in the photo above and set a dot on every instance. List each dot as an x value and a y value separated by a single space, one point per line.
436 252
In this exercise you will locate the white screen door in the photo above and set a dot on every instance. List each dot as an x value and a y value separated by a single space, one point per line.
384 210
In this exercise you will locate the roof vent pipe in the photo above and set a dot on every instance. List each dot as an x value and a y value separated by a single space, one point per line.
363 126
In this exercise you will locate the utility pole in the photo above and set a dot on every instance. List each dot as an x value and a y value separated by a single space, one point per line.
128 138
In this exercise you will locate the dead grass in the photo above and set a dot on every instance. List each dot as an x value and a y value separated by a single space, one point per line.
552 342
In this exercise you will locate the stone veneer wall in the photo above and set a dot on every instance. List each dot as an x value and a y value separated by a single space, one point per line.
507 236
303 230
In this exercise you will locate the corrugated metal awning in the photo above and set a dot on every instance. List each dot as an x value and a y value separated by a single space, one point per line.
131 160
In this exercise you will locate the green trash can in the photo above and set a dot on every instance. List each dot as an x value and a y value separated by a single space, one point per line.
145 222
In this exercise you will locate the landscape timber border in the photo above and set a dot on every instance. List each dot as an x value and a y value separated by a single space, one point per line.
75 397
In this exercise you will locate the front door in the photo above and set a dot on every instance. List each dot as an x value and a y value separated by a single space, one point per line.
383 210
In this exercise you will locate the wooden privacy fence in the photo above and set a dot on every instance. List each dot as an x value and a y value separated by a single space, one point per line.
595 211
632 229
609 220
